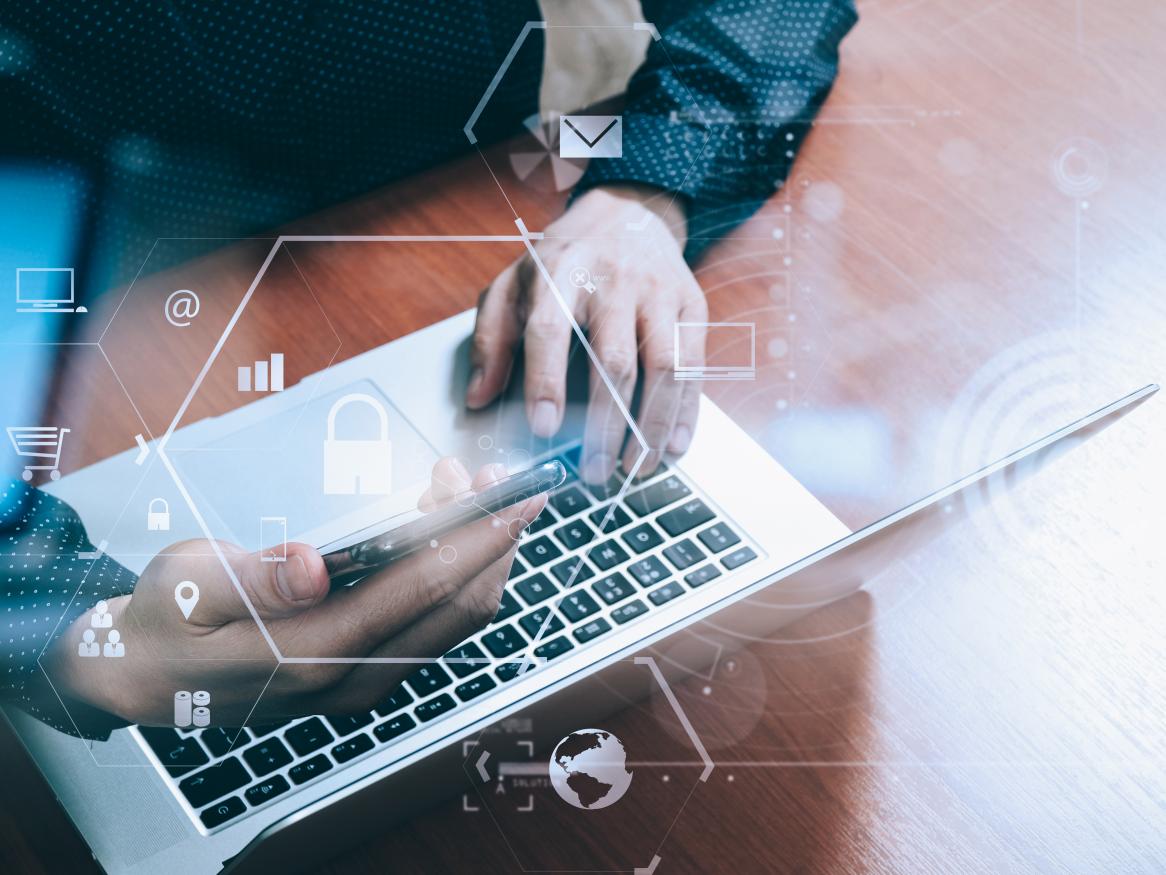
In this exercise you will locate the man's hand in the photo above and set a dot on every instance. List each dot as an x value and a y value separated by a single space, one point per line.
417 607
646 289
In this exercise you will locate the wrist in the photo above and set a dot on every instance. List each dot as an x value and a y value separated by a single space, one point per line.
89 685
633 199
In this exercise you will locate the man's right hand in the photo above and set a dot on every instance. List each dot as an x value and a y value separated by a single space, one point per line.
419 607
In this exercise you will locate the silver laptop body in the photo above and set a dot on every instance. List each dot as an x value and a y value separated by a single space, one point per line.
137 818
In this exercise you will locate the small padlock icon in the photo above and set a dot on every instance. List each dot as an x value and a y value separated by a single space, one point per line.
353 467
158 515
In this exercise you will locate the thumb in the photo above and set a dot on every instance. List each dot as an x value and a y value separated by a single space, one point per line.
275 589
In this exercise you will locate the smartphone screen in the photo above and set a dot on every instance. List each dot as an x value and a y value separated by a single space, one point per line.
273 538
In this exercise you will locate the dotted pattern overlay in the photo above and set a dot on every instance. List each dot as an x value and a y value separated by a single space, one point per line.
46 585
748 76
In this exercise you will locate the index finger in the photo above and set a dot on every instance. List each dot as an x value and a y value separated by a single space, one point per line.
353 621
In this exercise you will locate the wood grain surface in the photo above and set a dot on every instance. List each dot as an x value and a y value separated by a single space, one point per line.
969 252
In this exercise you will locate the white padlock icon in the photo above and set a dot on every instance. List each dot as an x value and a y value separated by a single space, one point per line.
158 520
353 467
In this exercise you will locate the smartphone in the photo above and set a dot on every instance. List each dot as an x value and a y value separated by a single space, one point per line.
465 508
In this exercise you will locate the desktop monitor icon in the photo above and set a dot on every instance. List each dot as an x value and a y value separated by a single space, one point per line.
45 290
733 346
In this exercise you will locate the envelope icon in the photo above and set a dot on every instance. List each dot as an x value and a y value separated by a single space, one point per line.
591 136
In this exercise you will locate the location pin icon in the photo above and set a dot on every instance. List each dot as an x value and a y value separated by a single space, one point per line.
186 594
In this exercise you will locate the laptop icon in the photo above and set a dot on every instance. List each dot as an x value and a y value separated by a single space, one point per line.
733 346
45 290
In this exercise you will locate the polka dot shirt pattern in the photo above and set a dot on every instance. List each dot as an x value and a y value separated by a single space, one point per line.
209 119
44 586
723 101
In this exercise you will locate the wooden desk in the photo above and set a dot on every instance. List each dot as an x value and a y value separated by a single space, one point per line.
996 701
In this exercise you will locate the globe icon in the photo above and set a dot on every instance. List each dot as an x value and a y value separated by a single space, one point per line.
589 769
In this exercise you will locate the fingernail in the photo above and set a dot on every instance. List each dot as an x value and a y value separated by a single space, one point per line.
681 438
460 469
476 376
597 468
545 418
292 579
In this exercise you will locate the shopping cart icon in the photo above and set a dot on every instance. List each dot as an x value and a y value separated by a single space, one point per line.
38 442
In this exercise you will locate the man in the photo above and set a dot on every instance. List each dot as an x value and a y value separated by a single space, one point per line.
222 121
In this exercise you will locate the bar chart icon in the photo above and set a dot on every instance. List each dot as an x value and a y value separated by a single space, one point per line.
268 375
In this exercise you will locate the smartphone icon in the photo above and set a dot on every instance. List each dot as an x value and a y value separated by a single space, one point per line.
273 538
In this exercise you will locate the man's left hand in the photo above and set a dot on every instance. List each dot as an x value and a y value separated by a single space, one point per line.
645 289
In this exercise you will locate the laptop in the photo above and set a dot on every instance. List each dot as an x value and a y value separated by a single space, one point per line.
720 541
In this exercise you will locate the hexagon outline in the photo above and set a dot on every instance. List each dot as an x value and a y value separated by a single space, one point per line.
525 237
468 129
472 766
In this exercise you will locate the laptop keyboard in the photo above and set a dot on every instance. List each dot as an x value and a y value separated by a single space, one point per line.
586 566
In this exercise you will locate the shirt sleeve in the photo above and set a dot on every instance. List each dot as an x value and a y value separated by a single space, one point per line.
50 574
722 102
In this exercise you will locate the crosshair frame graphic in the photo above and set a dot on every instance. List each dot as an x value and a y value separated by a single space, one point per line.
474 765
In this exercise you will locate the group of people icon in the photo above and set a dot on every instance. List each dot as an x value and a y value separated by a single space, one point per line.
101 618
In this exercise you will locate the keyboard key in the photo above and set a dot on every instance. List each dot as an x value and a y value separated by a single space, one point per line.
542 521
508 607
203 788
503 641
604 491
539 551
642 538
682 554
533 622
222 812
475 687
309 736
393 727
592 630
613 589
508 671
607 555
348 723
702 575
555 647
517 569
569 501
179 755
268 728
619 519
660 494
574 534
428 679
648 572
738 558
570 459
398 700
426 711
351 748
469 650
666 593
718 537
536 588
266 756
566 574
679 520
579 605
220 741
269 789
629 611
303 772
